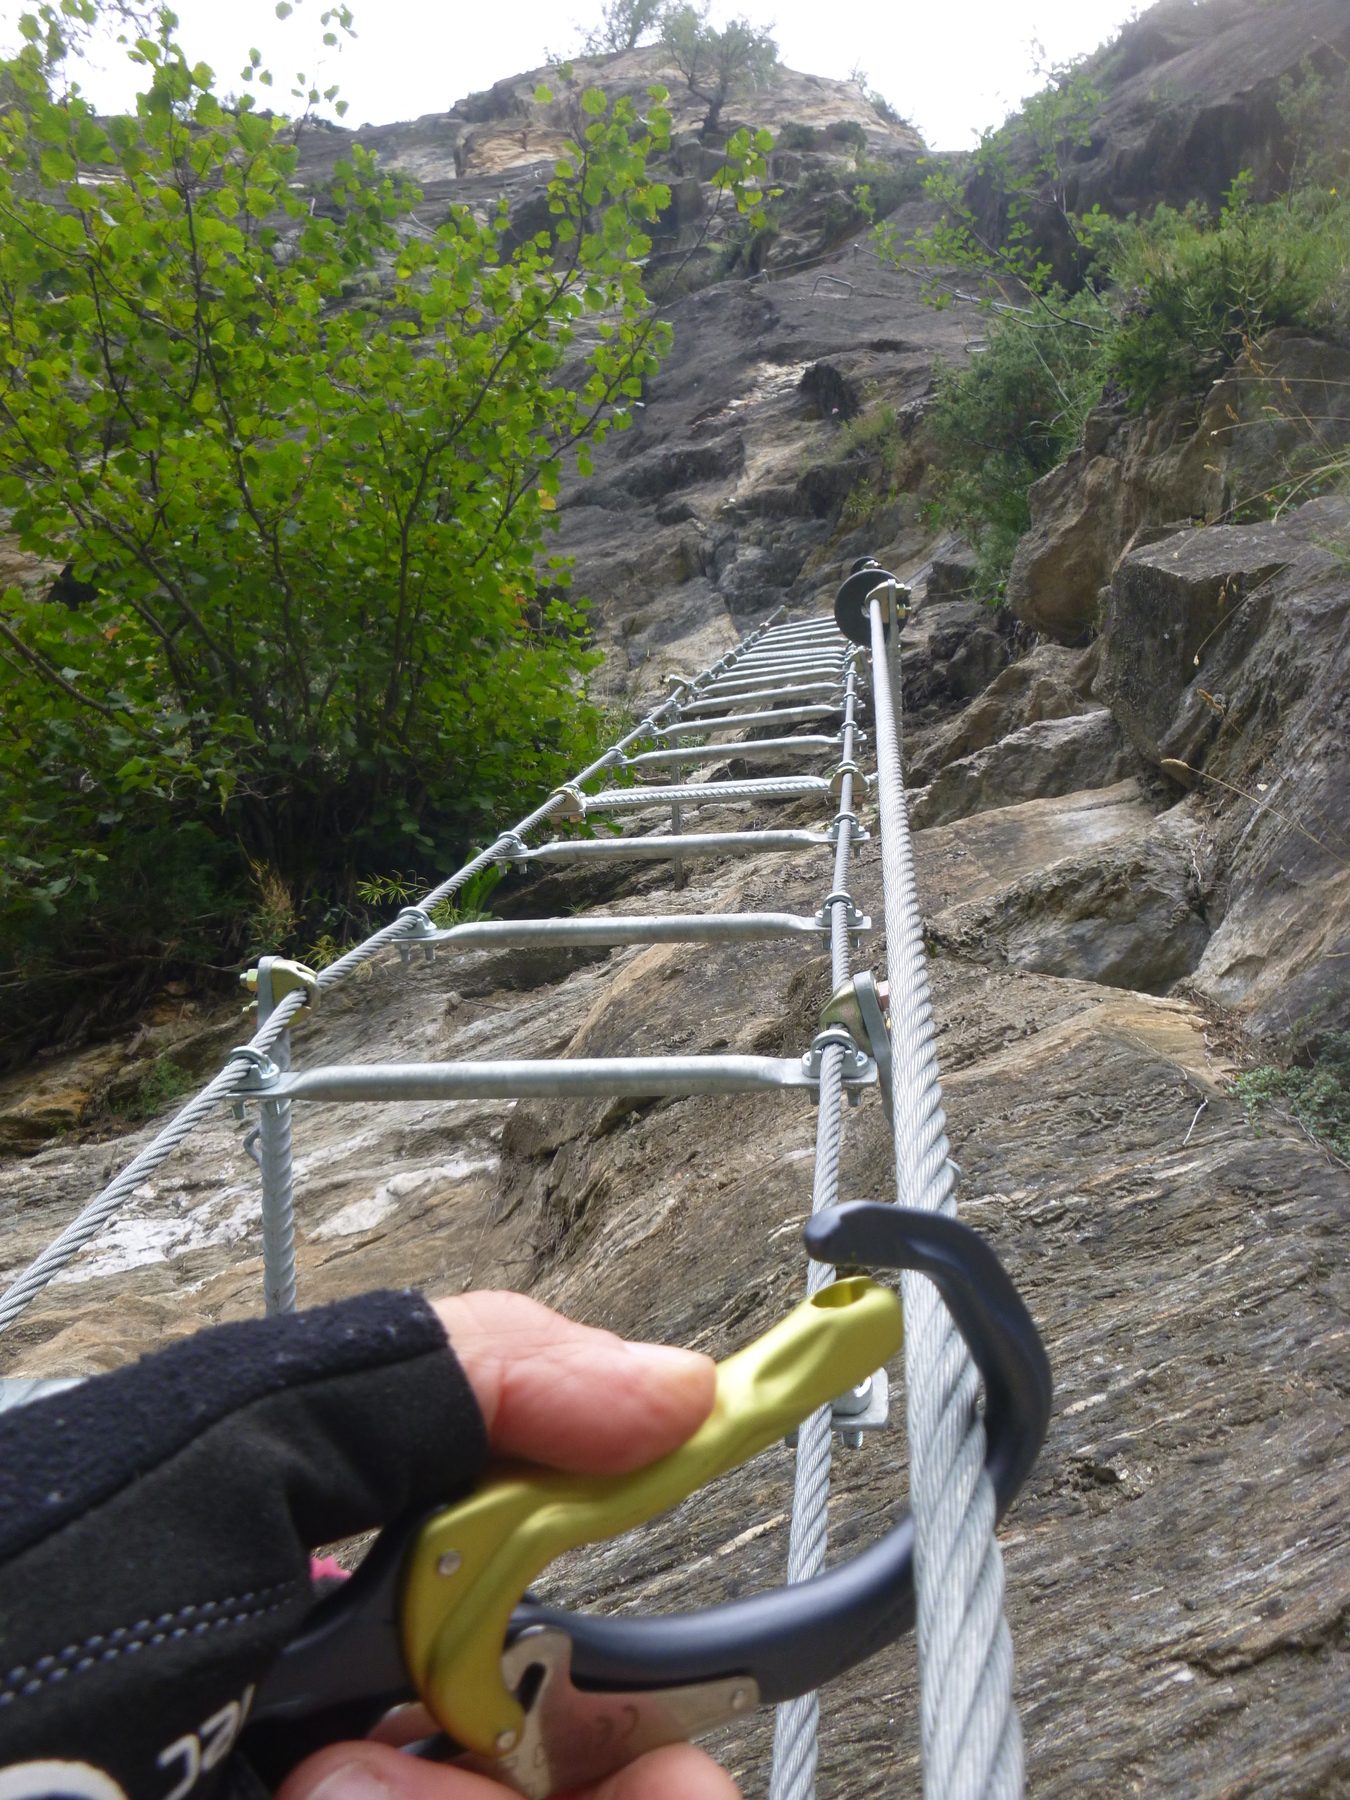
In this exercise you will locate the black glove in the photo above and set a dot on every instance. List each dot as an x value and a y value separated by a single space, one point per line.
156 1523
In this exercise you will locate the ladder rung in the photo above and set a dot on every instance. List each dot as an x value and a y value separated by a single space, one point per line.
774 677
787 715
797 660
754 747
655 928
559 1079
711 702
659 845
704 793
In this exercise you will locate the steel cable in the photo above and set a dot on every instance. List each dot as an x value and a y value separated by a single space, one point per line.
972 1743
796 1722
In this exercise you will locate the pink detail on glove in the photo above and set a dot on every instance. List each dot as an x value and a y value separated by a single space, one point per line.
327 1568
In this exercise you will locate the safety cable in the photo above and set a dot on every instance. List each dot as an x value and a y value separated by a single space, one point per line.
971 1736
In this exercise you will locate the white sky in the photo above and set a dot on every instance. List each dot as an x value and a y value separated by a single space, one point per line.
952 69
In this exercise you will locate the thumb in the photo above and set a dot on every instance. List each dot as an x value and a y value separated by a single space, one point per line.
567 1395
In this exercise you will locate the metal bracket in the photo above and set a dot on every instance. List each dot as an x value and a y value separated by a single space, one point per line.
860 834
857 1064
276 976
510 847
859 1007
866 1407
857 920
420 925
573 805
849 767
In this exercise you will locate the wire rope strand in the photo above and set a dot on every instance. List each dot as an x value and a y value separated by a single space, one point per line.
796 1722
970 1737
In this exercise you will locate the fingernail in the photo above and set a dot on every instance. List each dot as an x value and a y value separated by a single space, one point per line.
352 1781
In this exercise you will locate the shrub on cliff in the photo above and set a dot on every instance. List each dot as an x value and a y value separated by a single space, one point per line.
1006 419
313 629
1191 293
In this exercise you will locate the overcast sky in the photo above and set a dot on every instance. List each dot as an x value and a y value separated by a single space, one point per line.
951 68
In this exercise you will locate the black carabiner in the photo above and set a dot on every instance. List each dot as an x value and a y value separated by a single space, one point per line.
796 1638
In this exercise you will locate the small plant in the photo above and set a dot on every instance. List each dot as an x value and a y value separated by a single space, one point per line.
1005 420
1196 293
1315 1096
469 904
163 1082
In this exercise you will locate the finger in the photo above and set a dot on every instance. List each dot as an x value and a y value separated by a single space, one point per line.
375 1772
564 1394
678 1773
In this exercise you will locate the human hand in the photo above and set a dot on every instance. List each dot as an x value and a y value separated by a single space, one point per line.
562 1394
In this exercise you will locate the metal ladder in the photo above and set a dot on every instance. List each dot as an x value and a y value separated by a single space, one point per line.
783 674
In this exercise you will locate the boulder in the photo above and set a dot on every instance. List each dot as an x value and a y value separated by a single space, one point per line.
1081 513
1168 603
1226 658
948 652
1049 682
1128 915
1053 756
951 573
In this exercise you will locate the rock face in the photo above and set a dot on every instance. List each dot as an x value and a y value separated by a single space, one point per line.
1192 98
1226 658
1280 413
1054 756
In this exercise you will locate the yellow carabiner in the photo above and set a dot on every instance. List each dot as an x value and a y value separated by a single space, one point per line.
471 1564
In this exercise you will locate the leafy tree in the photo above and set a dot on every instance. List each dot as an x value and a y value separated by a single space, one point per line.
303 459
716 64
623 25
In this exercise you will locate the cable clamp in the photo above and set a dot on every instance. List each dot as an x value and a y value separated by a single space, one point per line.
857 1064
859 1007
866 1407
860 834
510 847
285 977
570 802
419 925
856 919
849 767
262 1071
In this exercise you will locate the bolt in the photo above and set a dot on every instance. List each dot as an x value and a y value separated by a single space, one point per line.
449 1563
504 1741
740 1700
249 980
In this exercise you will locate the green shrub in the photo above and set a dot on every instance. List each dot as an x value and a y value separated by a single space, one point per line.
798 137
1193 293
1005 420
1315 1096
846 131
163 1082
316 627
